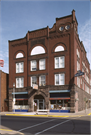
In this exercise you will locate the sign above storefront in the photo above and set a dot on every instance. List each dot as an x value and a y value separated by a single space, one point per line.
35 86
79 73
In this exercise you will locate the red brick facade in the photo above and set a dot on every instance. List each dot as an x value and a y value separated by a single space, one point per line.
3 91
49 39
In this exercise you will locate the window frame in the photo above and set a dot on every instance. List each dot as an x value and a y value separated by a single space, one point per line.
32 79
59 76
20 82
60 63
32 65
19 67
42 65
40 80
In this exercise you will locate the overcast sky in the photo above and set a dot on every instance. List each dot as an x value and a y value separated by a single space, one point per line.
17 17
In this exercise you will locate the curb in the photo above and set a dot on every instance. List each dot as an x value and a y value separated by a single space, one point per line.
43 115
36 115
89 114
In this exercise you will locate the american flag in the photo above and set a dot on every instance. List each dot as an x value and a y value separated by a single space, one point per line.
1 63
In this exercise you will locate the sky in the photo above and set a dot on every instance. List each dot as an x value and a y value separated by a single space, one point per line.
17 17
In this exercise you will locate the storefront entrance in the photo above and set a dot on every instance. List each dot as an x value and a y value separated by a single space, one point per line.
38 102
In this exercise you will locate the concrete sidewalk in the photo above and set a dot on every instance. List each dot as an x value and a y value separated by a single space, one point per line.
84 112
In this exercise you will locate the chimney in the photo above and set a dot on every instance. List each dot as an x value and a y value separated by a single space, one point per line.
73 15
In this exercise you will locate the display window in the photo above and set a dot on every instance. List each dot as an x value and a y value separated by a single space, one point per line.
59 104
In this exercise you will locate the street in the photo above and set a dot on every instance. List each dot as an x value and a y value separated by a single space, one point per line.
42 125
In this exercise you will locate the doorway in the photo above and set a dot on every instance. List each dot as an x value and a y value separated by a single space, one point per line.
38 102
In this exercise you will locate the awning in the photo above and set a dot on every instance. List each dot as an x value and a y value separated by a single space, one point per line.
21 99
59 98
20 93
58 91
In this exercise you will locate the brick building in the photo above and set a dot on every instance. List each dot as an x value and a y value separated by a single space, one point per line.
49 58
4 78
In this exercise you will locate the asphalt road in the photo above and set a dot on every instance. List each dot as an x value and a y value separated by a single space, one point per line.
40 125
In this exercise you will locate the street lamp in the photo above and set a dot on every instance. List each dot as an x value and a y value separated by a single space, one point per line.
14 96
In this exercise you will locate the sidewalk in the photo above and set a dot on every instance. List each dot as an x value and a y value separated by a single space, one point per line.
84 112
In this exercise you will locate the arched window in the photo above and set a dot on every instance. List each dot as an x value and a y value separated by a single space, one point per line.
59 48
37 50
19 55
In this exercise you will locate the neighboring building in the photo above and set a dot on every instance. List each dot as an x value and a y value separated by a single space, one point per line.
4 78
50 58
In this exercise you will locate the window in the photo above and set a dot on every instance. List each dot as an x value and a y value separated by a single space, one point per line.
78 81
59 62
83 85
60 79
78 66
20 82
37 50
59 48
19 67
42 64
33 80
33 65
78 53
19 55
42 80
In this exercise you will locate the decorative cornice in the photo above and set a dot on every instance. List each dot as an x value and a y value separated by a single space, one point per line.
38 41
23 43
58 36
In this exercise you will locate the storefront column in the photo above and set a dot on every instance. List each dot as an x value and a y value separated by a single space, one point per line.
30 103
72 102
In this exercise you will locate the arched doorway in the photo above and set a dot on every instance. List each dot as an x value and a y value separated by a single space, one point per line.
39 102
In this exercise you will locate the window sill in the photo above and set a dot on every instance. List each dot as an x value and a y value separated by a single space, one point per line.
19 72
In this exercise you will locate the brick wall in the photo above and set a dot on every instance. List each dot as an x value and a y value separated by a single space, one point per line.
3 91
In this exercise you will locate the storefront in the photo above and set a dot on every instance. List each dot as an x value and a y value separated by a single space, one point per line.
20 102
39 103
59 101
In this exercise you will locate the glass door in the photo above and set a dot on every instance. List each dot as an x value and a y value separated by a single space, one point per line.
41 104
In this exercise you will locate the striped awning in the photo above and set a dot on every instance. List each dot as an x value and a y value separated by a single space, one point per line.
20 93
60 98
58 91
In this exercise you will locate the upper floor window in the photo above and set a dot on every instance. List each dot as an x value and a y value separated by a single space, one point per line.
42 64
33 65
19 55
60 79
78 66
37 50
33 80
59 62
42 80
78 81
78 53
59 48
20 67
20 82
